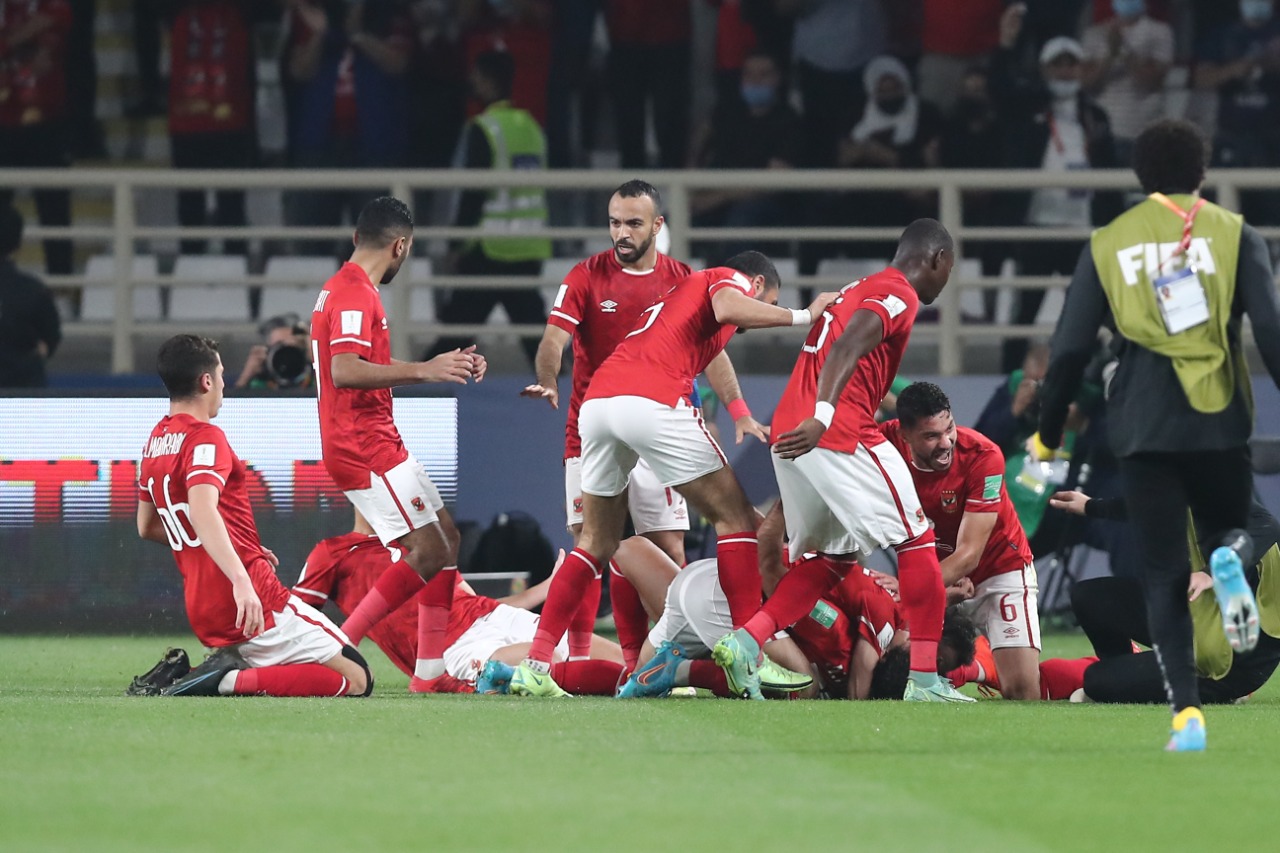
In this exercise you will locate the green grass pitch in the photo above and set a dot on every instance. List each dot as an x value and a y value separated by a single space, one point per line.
83 768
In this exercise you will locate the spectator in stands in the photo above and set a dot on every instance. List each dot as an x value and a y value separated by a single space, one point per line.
1048 122
754 129
502 137
649 63
33 107
84 130
1241 61
832 42
1012 414
439 85
30 329
283 359
522 29
735 41
955 37
346 64
211 108
148 17
1126 60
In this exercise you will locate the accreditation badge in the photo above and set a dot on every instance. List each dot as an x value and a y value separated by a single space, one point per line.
1181 298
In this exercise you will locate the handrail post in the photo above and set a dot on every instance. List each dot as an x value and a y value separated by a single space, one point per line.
950 352
122 359
679 212
402 293
1228 192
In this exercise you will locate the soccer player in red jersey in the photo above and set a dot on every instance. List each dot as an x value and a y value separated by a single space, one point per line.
844 488
362 449
192 496
597 306
637 407
959 478
342 569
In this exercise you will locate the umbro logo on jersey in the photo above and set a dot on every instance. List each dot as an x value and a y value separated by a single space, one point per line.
384 324
609 306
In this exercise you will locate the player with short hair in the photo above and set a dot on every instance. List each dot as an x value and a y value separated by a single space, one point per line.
637 407
362 449
192 496
959 478
844 488
343 568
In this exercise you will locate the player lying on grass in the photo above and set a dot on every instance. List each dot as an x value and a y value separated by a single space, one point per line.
1112 614
192 497
342 569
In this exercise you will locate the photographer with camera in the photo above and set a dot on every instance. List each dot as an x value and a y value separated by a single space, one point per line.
282 360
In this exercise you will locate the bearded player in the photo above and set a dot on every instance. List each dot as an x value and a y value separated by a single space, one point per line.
637 407
843 485
362 449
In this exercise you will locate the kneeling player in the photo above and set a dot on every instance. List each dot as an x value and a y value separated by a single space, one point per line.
192 496
480 631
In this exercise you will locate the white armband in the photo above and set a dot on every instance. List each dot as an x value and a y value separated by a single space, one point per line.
801 317
824 412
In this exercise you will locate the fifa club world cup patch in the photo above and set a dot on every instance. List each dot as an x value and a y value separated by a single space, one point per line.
824 614
991 487
419 504
949 501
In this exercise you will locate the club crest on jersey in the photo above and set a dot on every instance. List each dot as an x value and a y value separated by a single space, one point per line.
577 505
920 515
949 501
419 504
609 306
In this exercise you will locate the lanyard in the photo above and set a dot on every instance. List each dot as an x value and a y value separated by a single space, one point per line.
1188 221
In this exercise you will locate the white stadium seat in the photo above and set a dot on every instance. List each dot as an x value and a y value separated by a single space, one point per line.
98 299
849 269
202 300
304 276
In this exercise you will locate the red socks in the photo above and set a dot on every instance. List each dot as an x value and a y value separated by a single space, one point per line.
629 616
583 625
588 677
923 599
567 589
1059 678
394 587
739 569
708 676
795 595
434 603
297 679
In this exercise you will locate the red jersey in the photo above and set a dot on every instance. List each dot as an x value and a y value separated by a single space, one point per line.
890 297
857 608
344 568
598 304
357 433
973 483
183 452
33 77
211 85
674 341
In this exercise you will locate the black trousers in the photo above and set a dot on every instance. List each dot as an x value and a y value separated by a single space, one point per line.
657 74
227 150
474 306
1112 613
1159 488
42 145
832 102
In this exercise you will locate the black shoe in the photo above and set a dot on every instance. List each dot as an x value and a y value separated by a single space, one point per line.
174 665
204 679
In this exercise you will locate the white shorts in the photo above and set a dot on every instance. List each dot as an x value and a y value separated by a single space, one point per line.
696 612
619 431
833 500
653 506
505 626
1006 611
301 634
399 501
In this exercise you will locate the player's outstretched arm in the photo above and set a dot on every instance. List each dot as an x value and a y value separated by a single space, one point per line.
351 371
546 365
211 530
863 333
736 308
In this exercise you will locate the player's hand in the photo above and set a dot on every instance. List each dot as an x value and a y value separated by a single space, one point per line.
271 557
249 618
453 366
1072 502
1200 581
1011 24
479 366
541 392
886 582
801 440
747 425
820 303
961 590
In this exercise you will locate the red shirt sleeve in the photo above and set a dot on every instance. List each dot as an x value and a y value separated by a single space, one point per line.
876 623
722 278
572 300
351 318
315 584
208 458
891 307
983 482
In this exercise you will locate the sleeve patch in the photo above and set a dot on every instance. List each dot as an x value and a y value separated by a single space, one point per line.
892 305
351 322
991 487
204 454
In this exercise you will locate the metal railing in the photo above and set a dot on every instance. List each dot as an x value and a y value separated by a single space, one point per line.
678 187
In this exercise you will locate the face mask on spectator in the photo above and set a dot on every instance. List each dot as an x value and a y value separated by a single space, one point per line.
1128 8
757 95
1063 89
892 106
1255 11
970 108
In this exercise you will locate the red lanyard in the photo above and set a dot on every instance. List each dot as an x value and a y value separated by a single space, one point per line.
1188 221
